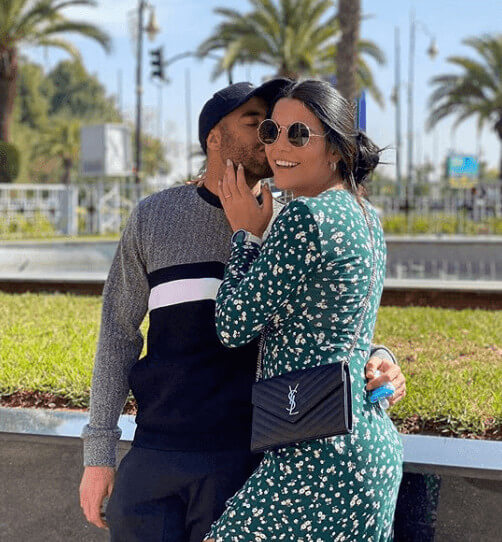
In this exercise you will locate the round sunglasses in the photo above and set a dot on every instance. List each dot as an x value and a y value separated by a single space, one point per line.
299 134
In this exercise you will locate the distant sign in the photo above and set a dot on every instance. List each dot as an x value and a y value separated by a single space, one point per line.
105 150
462 171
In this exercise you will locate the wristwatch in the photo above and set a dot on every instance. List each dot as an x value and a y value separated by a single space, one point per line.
243 236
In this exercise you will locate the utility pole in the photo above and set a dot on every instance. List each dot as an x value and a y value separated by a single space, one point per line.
188 122
160 131
411 82
397 100
120 92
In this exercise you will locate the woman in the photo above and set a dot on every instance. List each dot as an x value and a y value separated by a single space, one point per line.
305 287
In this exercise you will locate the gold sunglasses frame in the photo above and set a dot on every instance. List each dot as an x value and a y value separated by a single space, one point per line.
279 129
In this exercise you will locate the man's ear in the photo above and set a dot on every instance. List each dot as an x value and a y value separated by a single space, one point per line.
214 139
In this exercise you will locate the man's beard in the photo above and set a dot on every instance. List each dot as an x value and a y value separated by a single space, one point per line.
253 159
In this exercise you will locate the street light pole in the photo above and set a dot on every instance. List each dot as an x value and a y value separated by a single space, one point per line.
139 91
432 52
152 30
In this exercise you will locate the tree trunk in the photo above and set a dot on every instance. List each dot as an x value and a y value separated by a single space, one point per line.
284 72
500 164
498 129
67 165
500 168
8 83
349 16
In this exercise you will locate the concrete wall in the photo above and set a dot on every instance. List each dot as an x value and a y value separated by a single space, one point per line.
464 257
30 257
39 499
41 474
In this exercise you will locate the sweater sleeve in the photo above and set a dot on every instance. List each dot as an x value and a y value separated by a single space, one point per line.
257 282
383 352
125 303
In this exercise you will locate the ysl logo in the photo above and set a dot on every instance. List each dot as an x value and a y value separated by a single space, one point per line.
292 402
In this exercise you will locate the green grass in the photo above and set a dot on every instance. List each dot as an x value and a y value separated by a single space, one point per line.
48 343
453 364
452 359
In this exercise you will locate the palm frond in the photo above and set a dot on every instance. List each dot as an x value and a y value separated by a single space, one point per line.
474 92
58 5
61 44
292 36
79 27
371 49
31 21
366 81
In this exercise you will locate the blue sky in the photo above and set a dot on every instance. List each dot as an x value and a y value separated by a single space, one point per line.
185 23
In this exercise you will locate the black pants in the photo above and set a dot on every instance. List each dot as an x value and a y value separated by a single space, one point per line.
172 496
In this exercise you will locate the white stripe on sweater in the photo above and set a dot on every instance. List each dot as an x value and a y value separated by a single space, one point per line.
183 291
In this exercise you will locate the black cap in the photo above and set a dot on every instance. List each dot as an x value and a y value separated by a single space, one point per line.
230 98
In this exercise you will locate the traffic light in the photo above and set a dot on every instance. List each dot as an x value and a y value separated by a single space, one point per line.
157 62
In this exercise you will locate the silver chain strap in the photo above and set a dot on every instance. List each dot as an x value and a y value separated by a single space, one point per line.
259 368
365 305
366 302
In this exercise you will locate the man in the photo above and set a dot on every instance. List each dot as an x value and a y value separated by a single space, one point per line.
191 447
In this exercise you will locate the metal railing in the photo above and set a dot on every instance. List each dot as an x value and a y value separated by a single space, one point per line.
47 210
38 210
464 214
31 208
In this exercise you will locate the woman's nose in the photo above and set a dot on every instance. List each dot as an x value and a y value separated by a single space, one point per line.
282 141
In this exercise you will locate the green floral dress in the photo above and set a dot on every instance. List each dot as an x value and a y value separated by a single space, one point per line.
306 285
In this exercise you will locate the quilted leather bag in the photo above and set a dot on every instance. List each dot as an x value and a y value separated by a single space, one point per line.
310 403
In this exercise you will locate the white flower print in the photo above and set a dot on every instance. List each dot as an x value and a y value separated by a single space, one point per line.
304 285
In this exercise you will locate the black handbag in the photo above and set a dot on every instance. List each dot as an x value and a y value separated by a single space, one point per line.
309 403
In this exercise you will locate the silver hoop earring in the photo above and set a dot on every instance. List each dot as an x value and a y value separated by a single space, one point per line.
332 166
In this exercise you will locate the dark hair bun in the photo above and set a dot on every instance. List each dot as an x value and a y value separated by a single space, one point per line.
368 157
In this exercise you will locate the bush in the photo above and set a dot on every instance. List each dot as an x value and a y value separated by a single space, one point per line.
495 225
19 226
440 224
421 224
394 224
447 224
9 162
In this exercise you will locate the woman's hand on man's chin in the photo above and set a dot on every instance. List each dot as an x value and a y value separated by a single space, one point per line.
242 209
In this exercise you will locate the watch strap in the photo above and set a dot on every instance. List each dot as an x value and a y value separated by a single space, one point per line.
244 236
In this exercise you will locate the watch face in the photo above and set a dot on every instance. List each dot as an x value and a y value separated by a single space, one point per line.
240 236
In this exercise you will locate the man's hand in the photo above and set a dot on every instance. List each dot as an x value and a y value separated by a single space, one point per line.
96 484
390 372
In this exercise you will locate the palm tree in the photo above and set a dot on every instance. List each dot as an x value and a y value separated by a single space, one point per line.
62 141
476 92
296 37
39 23
349 17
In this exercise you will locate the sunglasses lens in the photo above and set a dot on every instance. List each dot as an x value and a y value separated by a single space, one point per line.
268 132
298 134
